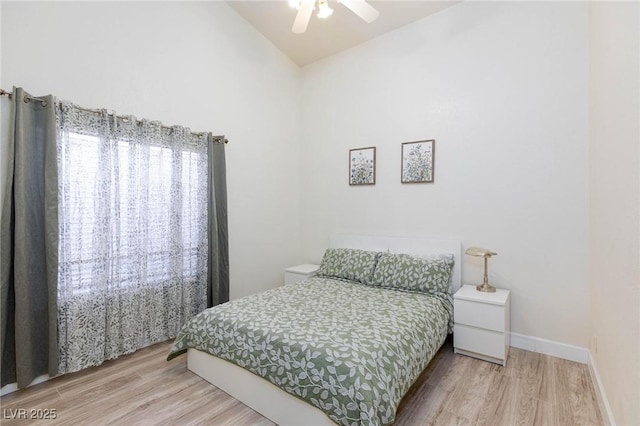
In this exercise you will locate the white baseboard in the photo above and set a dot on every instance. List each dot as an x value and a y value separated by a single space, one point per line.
601 396
12 387
549 347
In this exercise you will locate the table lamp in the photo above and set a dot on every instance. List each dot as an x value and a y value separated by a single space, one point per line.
485 254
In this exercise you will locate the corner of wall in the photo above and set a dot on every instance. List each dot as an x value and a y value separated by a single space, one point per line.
614 207
601 396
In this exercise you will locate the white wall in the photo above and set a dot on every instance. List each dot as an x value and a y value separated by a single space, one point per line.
502 88
194 64
614 180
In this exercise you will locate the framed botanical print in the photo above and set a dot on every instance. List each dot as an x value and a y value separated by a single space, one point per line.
417 161
362 166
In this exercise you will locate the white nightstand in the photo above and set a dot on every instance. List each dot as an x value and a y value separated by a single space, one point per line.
481 324
299 273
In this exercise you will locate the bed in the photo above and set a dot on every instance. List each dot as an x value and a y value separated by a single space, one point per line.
331 349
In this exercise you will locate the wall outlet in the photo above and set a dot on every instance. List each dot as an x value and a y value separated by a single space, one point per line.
595 344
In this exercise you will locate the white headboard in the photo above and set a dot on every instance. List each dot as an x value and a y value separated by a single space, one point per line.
416 246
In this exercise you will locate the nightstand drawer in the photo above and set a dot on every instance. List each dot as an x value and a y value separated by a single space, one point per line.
480 341
482 315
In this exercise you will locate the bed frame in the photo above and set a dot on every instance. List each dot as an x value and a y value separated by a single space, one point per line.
269 400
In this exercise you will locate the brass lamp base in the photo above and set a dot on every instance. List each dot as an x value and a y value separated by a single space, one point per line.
487 288
485 254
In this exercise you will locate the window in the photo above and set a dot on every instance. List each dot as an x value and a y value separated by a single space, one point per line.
133 249
134 210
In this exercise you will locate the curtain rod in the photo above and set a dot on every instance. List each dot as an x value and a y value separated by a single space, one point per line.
97 111
26 97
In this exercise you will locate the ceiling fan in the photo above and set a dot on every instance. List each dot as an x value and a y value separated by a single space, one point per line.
305 7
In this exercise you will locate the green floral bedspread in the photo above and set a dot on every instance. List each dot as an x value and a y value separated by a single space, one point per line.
348 349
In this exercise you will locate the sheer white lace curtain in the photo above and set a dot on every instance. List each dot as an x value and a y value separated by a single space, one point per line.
133 245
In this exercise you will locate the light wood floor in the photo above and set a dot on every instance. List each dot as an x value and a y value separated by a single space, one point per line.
143 388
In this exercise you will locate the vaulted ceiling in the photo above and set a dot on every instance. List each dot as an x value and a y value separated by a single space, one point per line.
340 31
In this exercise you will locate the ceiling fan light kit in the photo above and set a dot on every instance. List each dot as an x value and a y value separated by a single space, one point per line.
305 8
324 11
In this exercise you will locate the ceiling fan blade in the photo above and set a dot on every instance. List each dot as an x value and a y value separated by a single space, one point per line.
303 16
362 9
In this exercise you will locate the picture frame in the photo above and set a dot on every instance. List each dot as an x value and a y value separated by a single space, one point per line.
417 161
362 166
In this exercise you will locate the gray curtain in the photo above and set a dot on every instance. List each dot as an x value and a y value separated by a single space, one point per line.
218 288
29 244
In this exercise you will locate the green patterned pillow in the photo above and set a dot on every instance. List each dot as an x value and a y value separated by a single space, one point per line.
348 264
420 274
